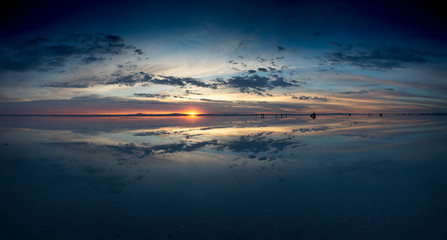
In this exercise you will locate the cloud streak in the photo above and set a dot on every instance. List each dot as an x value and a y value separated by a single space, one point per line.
310 98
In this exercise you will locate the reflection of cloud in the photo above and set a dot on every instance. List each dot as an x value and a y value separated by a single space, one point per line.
256 144
138 151
305 130
154 133
130 149
181 147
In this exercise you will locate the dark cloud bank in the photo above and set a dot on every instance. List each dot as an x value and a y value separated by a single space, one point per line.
378 56
45 54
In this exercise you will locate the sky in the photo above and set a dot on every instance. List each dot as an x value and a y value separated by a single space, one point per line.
221 57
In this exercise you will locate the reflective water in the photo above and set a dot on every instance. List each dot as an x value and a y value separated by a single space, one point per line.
333 177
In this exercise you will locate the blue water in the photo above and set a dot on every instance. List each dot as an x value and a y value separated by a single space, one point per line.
333 177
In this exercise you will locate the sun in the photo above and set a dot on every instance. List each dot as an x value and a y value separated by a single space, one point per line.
192 113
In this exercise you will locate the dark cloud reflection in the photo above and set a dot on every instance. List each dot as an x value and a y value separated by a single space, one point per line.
178 173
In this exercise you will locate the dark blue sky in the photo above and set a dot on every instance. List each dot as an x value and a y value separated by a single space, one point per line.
221 57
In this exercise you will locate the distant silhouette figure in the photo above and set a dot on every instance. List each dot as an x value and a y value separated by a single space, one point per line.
349 114
380 114
313 115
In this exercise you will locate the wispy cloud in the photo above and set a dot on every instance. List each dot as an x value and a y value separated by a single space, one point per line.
152 95
307 98
355 92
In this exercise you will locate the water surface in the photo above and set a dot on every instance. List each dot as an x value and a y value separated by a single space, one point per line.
235 177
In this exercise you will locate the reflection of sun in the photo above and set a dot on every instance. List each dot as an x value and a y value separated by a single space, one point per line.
192 113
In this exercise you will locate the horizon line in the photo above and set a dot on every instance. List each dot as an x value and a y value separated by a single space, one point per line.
201 114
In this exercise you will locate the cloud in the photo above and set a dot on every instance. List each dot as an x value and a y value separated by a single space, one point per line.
190 92
198 83
95 104
215 101
50 54
181 82
253 84
280 82
152 95
247 84
355 92
378 56
262 69
257 84
67 85
323 99
131 79
90 104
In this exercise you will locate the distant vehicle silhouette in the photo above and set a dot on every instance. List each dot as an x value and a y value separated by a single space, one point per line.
313 115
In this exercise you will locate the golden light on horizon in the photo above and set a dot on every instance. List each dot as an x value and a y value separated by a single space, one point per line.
192 113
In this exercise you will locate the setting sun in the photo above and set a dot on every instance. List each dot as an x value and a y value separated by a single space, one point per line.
192 113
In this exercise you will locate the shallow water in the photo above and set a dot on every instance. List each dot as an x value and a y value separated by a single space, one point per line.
333 177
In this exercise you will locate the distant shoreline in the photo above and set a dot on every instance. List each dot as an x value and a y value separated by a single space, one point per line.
209 115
